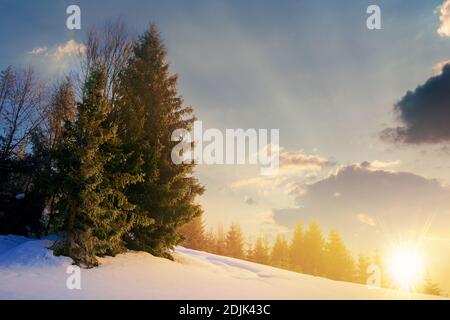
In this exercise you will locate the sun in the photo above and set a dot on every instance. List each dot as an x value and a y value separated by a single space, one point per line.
406 266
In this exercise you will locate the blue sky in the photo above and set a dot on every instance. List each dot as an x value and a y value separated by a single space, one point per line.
309 68
304 65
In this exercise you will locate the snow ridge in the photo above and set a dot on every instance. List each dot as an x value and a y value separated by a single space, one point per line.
28 270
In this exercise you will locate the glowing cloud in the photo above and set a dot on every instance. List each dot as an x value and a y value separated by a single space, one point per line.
69 49
58 57
363 218
444 11
438 67
38 51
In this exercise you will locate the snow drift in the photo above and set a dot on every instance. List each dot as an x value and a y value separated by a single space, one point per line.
28 270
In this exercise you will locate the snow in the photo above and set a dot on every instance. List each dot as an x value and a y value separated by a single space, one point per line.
28 270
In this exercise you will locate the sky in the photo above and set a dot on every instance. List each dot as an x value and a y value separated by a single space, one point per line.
362 113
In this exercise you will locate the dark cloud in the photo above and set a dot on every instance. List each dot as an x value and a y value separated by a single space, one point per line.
424 113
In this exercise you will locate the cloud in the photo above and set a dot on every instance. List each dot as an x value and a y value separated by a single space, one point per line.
58 57
378 164
371 201
365 219
438 67
424 113
293 165
69 49
268 225
444 17
302 161
38 51
260 181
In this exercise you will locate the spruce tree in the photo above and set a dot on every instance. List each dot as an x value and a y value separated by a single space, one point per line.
260 251
279 256
338 262
220 241
297 250
149 110
314 247
193 234
95 212
210 241
234 242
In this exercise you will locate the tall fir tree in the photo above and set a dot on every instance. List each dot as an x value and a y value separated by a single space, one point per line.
297 250
314 247
210 241
149 110
220 241
338 262
279 256
260 252
234 242
95 212
193 234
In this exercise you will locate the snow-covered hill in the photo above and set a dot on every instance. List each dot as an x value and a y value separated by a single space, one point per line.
28 270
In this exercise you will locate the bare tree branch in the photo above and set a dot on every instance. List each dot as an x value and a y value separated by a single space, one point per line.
21 106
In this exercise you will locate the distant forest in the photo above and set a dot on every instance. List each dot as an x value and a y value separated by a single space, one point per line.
308 251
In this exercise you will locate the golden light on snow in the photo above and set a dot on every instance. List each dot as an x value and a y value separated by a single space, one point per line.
406 266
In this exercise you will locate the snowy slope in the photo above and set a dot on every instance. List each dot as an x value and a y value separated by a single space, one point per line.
29 270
